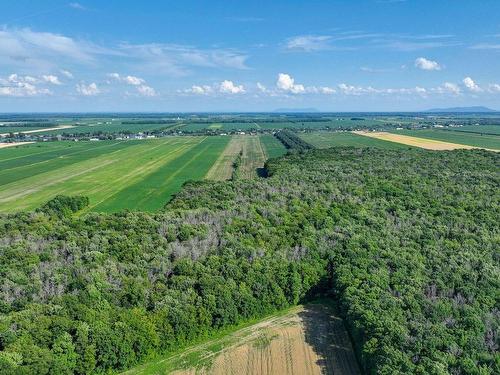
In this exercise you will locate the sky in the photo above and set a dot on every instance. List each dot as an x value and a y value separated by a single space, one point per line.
248 56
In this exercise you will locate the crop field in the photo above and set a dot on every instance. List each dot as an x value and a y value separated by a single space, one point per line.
115 175
305 340
254 149
465 138
428 144
273 148
345 139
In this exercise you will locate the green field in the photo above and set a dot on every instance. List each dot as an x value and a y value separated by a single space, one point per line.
342 139
485 129
273 148
114 174
464 138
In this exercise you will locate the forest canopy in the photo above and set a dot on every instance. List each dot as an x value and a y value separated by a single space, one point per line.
405 241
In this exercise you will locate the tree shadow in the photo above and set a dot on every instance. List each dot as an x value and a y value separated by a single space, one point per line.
326 334
262 172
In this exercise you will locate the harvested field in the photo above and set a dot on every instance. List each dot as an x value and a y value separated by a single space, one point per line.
428 144
487 141
306 340
223 167
253 157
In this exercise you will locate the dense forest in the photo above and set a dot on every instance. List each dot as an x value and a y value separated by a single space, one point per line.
406 242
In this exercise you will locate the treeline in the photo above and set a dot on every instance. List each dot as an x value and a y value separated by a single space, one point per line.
405 241
292 141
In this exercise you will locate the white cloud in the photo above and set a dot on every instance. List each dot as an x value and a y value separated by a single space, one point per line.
146 90
178 60
425 64
228 87
77 6
88 90
51 79
21 86
129 80
199 90
327 90
287 83
448 88
471 85
261 87
308 43
67 74
494 87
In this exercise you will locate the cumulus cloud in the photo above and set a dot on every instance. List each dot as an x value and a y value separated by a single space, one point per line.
199 90
88 90
261 87
228 87
139 83
225 87
129 80
308 43
21 86
146 90
471 85
494 87
425 64
67 74
286 83
448 88
51 79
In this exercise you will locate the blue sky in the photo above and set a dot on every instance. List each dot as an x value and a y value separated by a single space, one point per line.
367 55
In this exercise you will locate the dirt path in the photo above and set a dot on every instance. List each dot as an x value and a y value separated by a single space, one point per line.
308 340
39 130
5 144
428 144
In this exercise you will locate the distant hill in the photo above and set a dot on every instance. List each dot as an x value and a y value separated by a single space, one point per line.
299 110
474 109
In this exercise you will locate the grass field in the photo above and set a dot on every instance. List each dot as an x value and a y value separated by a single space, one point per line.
464 138
273 148
305 340
484 129
115 175
344 139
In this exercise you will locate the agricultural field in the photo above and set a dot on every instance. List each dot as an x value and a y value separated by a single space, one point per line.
304 340
488 141
273 148
252 152
483 129
429 144
115 175
346 139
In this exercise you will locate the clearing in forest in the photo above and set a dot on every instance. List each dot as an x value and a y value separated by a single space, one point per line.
429 144
253 157
305 340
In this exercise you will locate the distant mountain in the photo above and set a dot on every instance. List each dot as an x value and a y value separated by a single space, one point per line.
300 110
476 109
